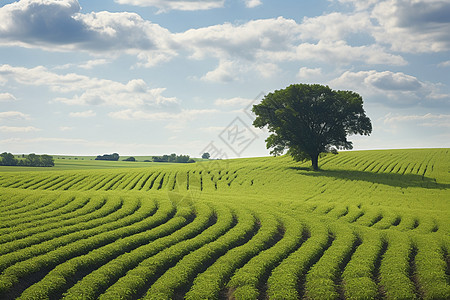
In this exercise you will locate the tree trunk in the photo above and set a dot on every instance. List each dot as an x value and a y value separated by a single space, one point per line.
315 161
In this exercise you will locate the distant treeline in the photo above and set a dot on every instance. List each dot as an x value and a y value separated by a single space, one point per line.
30 160
173 158
113 157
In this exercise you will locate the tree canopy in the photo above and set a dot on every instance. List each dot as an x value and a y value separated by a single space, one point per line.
31 160
112 157
309 119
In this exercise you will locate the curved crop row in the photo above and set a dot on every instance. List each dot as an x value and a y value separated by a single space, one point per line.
95 283
248 281
286 279
124 227
61 277
358 277
177 278
31 203
137 280
322 278
58 226
208 284
394 270
60 205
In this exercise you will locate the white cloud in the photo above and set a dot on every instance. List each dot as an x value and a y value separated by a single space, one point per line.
233 102
92 63
59 26
227 71
340 53
359 4
244 47
4 97
83 114
213 129
66 128
18 129
308 73
427 120
13 115
245 41
184 115
166 5
413 26
45 139
87 90
252 3
408 26
444 64
396 88
335 26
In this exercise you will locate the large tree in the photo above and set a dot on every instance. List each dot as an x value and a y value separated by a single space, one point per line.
308 119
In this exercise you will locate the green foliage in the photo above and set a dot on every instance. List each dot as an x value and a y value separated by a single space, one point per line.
112 157
370 225
310 119
31 160
172 158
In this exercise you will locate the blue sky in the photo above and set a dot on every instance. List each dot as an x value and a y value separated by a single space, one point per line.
147 77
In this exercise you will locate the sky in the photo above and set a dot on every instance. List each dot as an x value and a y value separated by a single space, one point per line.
152 77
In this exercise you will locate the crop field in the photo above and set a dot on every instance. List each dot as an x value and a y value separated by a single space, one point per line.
369 225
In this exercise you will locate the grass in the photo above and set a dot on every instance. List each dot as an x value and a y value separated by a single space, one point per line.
369 224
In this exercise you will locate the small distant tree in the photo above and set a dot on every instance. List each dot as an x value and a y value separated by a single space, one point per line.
182 159
173 157
47 161
130 159
206 155
32 160
7 159
112 157
307 120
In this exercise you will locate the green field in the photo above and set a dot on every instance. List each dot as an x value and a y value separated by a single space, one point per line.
369 225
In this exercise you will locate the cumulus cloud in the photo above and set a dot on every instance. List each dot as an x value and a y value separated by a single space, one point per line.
413 26
335 26
13 115
444 64
359 4
242 48
427 120
400 88
12 129
166 5
252 3
233 102
4 97
308 73
66 128
247 40
407 26
59 25
226 71
92 63
83 114
86 90
184 115
340 53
